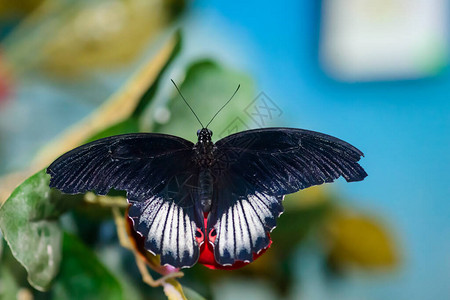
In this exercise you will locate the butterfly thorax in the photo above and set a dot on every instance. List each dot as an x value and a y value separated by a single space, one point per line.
204 156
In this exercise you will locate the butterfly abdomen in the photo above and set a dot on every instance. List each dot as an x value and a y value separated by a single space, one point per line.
206 189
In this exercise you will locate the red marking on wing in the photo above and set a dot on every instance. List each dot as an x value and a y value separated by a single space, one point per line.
207 253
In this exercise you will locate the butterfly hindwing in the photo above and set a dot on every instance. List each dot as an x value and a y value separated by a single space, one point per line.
238 225
170 220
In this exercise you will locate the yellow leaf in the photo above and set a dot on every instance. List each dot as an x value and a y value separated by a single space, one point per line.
310 197
104 34
174 290
71 37
13 9
9 182
357 239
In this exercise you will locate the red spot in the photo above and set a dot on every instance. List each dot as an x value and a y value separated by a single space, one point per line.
206 250
207 253
212 236
199 236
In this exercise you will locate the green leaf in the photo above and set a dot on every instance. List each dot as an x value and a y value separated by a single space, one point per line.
83 276
191 294
8 285
1 246
207 87
29 222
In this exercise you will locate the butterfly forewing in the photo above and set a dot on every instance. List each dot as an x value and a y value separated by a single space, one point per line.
136 163
280 161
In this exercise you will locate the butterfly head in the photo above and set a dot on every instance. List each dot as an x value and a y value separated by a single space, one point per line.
204 135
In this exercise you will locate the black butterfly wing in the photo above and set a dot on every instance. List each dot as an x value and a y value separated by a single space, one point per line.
238 224
159 176
139 164
171 221
255 168
281 161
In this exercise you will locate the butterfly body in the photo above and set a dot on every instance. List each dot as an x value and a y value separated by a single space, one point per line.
228 194
206 188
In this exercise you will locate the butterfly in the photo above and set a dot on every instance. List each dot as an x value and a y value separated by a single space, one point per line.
236 184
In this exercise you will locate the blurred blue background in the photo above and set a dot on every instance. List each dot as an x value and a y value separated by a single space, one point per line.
402 126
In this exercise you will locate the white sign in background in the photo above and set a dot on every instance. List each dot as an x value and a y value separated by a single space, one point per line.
372 40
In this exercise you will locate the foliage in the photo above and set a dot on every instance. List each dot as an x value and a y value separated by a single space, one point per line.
30 226
83 276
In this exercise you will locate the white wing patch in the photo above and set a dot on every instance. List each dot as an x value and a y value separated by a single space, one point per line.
169 230
242 229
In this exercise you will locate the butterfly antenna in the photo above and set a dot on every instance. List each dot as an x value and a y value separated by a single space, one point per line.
237 89
186 102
